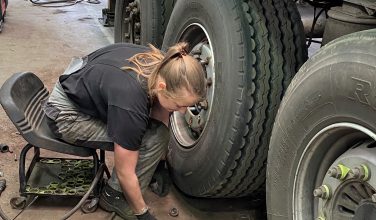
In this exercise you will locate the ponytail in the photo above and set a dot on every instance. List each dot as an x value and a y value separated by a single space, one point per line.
176 67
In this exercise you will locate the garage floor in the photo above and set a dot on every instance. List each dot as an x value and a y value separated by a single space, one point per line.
43 40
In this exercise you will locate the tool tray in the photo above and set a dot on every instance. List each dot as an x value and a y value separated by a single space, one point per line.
60 177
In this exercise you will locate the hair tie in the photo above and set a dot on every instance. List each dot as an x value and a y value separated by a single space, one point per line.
183 52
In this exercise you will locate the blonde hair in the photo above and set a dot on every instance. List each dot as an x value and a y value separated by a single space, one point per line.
177 68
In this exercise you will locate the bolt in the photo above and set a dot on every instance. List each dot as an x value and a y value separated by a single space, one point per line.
137 25
135 11
203 105
356 172
333 172
322 192
137 41
360 172
339 172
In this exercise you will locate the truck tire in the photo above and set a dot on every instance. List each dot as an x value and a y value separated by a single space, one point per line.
324 130
157 14
145 24
219 147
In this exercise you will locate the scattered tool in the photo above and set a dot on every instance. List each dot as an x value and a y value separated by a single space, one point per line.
174 212
5 149
3 184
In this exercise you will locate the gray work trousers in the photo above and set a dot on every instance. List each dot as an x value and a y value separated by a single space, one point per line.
77 128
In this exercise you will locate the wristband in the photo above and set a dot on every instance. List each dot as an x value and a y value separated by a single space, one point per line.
143 211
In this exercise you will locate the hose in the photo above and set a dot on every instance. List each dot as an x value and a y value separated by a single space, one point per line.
3 185
46 4
93 184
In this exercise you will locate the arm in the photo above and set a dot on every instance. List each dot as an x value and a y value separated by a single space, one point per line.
125 163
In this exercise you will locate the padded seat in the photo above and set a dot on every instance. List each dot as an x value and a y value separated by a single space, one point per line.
21 97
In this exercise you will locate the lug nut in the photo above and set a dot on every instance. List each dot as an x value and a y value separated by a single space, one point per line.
322 192
360 172
135 11
137 25
333 172
339 172
203 105
137 41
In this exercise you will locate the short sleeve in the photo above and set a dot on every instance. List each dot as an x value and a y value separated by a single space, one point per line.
126 127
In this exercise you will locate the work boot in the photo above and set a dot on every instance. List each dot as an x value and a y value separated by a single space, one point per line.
114 201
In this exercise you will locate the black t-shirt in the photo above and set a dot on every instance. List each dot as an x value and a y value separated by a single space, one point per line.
117 97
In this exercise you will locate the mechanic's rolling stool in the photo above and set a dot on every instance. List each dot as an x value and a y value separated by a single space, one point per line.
21 97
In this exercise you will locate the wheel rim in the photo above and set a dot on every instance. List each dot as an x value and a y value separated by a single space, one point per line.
132 23
335 145
189 127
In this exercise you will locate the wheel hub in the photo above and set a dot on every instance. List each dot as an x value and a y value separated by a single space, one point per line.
188 128
349 197
348 183
366 210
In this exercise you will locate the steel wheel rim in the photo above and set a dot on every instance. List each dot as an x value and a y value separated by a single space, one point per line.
189 127
341 136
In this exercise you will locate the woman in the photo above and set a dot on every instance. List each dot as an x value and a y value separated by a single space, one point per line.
123 94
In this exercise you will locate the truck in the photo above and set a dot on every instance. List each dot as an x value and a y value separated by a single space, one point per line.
297 133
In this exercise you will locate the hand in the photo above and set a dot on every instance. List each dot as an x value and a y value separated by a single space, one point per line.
146 216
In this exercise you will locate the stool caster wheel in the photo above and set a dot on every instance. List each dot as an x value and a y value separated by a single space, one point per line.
18 202
90 206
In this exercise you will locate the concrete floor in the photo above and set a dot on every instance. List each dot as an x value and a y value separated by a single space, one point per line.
43 40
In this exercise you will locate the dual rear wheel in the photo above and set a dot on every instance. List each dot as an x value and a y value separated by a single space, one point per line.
250 49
